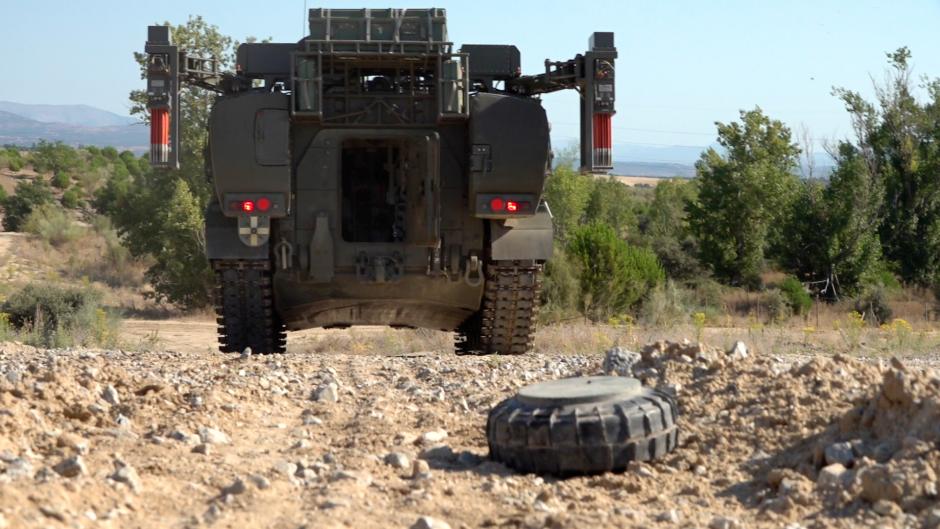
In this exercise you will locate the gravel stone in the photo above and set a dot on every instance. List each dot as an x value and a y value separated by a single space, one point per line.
621 361
433 437
441 453
70 467
285 468
670 516
722 522
259 481
738 351
213 436
831 476
127 474
237 487
841 453
110 395
327 393
397 460
886 508
420 470
879 484
426 522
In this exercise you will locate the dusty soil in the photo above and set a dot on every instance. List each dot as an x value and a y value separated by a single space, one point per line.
196 438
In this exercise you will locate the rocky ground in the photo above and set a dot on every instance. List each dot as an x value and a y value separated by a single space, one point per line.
170 439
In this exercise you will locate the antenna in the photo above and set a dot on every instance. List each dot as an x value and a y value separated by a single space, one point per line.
303 25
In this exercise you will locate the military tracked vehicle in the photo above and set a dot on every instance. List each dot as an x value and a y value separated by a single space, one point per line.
371 174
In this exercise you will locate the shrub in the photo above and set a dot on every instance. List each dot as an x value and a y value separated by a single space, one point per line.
560 289
61 180
27 196
11 159
48 315
667 305
796 296
52 225
72 198
873 305
777 305
614 276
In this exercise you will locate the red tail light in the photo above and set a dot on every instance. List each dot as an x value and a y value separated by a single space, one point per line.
264 204
248 206
497 204
512 206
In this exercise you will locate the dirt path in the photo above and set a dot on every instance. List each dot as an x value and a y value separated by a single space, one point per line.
196 438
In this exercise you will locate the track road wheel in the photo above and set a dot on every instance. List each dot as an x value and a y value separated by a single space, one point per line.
505 323
583 425
245 308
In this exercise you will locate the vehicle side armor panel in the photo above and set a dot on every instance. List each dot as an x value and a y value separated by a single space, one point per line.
516 133
250 151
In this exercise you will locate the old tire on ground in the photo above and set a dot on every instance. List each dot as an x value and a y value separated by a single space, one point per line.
245 308
583 425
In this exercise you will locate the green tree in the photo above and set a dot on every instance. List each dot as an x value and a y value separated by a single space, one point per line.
898 143
613 275
667 230
55 157
611 202
743 195
28 195
567 192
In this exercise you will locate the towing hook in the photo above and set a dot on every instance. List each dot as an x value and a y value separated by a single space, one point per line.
474 273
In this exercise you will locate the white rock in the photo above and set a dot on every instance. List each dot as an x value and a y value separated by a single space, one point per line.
213 436
670 516
18 468
831 476
397 460
128 475
432 437
110 395
327 393
286 468
738 351
259 481
426 522
722 522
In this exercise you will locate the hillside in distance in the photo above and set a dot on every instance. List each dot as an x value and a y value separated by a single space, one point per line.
82 115
74 125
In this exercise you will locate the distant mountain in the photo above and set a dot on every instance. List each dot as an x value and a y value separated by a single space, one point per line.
82 115
16 129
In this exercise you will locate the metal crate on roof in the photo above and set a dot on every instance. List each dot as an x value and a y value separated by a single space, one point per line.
378 25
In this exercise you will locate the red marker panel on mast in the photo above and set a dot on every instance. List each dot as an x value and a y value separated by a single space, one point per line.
159 136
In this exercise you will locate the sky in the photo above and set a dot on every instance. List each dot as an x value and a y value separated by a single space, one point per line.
682 66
